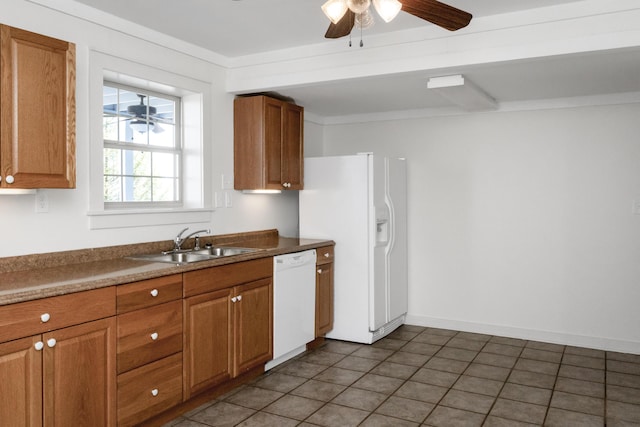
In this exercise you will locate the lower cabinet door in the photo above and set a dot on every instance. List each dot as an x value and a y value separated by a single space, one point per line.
21 383
208 341
253 322
324 299
79 375
149 390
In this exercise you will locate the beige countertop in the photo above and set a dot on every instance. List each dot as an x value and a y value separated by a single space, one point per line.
37 276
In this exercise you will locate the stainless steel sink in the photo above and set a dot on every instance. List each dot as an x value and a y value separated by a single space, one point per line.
190 256
218 251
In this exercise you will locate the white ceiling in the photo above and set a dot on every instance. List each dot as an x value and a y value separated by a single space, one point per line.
236 28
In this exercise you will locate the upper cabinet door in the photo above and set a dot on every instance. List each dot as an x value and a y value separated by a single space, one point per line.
292 147
37 111
273 137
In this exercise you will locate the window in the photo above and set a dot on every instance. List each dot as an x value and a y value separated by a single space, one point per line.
142 148
171 177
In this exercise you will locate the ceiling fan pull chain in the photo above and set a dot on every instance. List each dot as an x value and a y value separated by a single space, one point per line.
349 39
361 43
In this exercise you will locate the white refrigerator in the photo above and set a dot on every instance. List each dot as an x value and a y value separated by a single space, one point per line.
360 202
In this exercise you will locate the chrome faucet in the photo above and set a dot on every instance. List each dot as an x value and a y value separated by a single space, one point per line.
179 240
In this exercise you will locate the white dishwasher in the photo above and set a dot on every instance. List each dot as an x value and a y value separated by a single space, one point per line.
294 304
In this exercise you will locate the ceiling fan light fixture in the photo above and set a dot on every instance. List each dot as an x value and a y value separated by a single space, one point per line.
141 126
387 9
364 20
358 6
335 10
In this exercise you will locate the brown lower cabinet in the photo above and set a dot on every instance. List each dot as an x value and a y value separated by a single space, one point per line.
228 331
324 290
121 355
63 377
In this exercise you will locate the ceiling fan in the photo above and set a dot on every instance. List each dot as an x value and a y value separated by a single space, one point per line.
345 14
143 117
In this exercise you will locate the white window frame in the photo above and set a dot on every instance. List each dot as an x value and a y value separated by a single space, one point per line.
176 149
197 180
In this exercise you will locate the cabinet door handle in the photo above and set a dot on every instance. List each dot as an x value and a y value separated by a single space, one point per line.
326 255
154 293
39 345
319 271
239 297
51 342
154 336
234 299
154 392
45 317
9 179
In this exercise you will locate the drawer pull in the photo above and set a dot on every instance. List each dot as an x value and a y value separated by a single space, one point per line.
154 293
45 317
326 255
154 392
51 342
319 271
154 336
39 345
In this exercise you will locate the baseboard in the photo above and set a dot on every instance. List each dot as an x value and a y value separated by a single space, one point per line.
599 343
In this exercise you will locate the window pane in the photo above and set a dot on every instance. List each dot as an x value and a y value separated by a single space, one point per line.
162 135
165 165
140 163
164 189
112 189
112 161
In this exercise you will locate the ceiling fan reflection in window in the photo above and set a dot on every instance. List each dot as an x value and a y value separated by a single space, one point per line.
143 117
345 14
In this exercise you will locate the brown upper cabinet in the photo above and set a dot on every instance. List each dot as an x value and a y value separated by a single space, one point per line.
268 144
37 110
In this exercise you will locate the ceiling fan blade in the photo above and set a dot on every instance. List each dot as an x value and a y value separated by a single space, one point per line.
343 27
441 14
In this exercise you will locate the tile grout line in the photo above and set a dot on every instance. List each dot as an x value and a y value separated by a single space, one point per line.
504 383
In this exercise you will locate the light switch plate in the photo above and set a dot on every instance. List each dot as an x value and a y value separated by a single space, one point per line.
227 182
218 199
228 199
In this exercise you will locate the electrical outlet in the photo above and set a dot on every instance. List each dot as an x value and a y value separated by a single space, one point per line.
42 203
218 199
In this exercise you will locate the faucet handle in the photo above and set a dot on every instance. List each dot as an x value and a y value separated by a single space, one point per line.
178 240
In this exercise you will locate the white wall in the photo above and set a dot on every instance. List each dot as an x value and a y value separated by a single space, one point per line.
66 225
520 223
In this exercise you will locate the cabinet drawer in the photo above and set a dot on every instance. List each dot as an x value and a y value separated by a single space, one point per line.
148 335
149 390
215 278
38 316
144 294
324 255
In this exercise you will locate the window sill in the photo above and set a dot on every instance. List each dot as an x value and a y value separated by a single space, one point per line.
147 217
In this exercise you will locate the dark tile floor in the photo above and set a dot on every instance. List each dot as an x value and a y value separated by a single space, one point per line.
434 377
